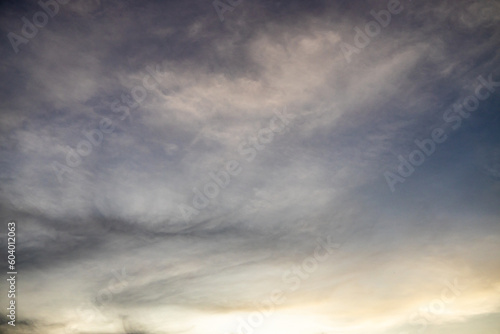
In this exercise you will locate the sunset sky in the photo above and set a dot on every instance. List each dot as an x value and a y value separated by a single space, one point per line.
251 167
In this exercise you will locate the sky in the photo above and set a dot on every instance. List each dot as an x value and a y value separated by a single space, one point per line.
251 167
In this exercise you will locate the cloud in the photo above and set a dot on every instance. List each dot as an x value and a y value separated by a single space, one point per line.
212 88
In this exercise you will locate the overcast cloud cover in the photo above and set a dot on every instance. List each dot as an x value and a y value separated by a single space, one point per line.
310 227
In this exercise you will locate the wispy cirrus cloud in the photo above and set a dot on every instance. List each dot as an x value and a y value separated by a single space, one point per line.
214 86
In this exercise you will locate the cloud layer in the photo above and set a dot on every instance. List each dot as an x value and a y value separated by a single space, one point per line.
169 172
